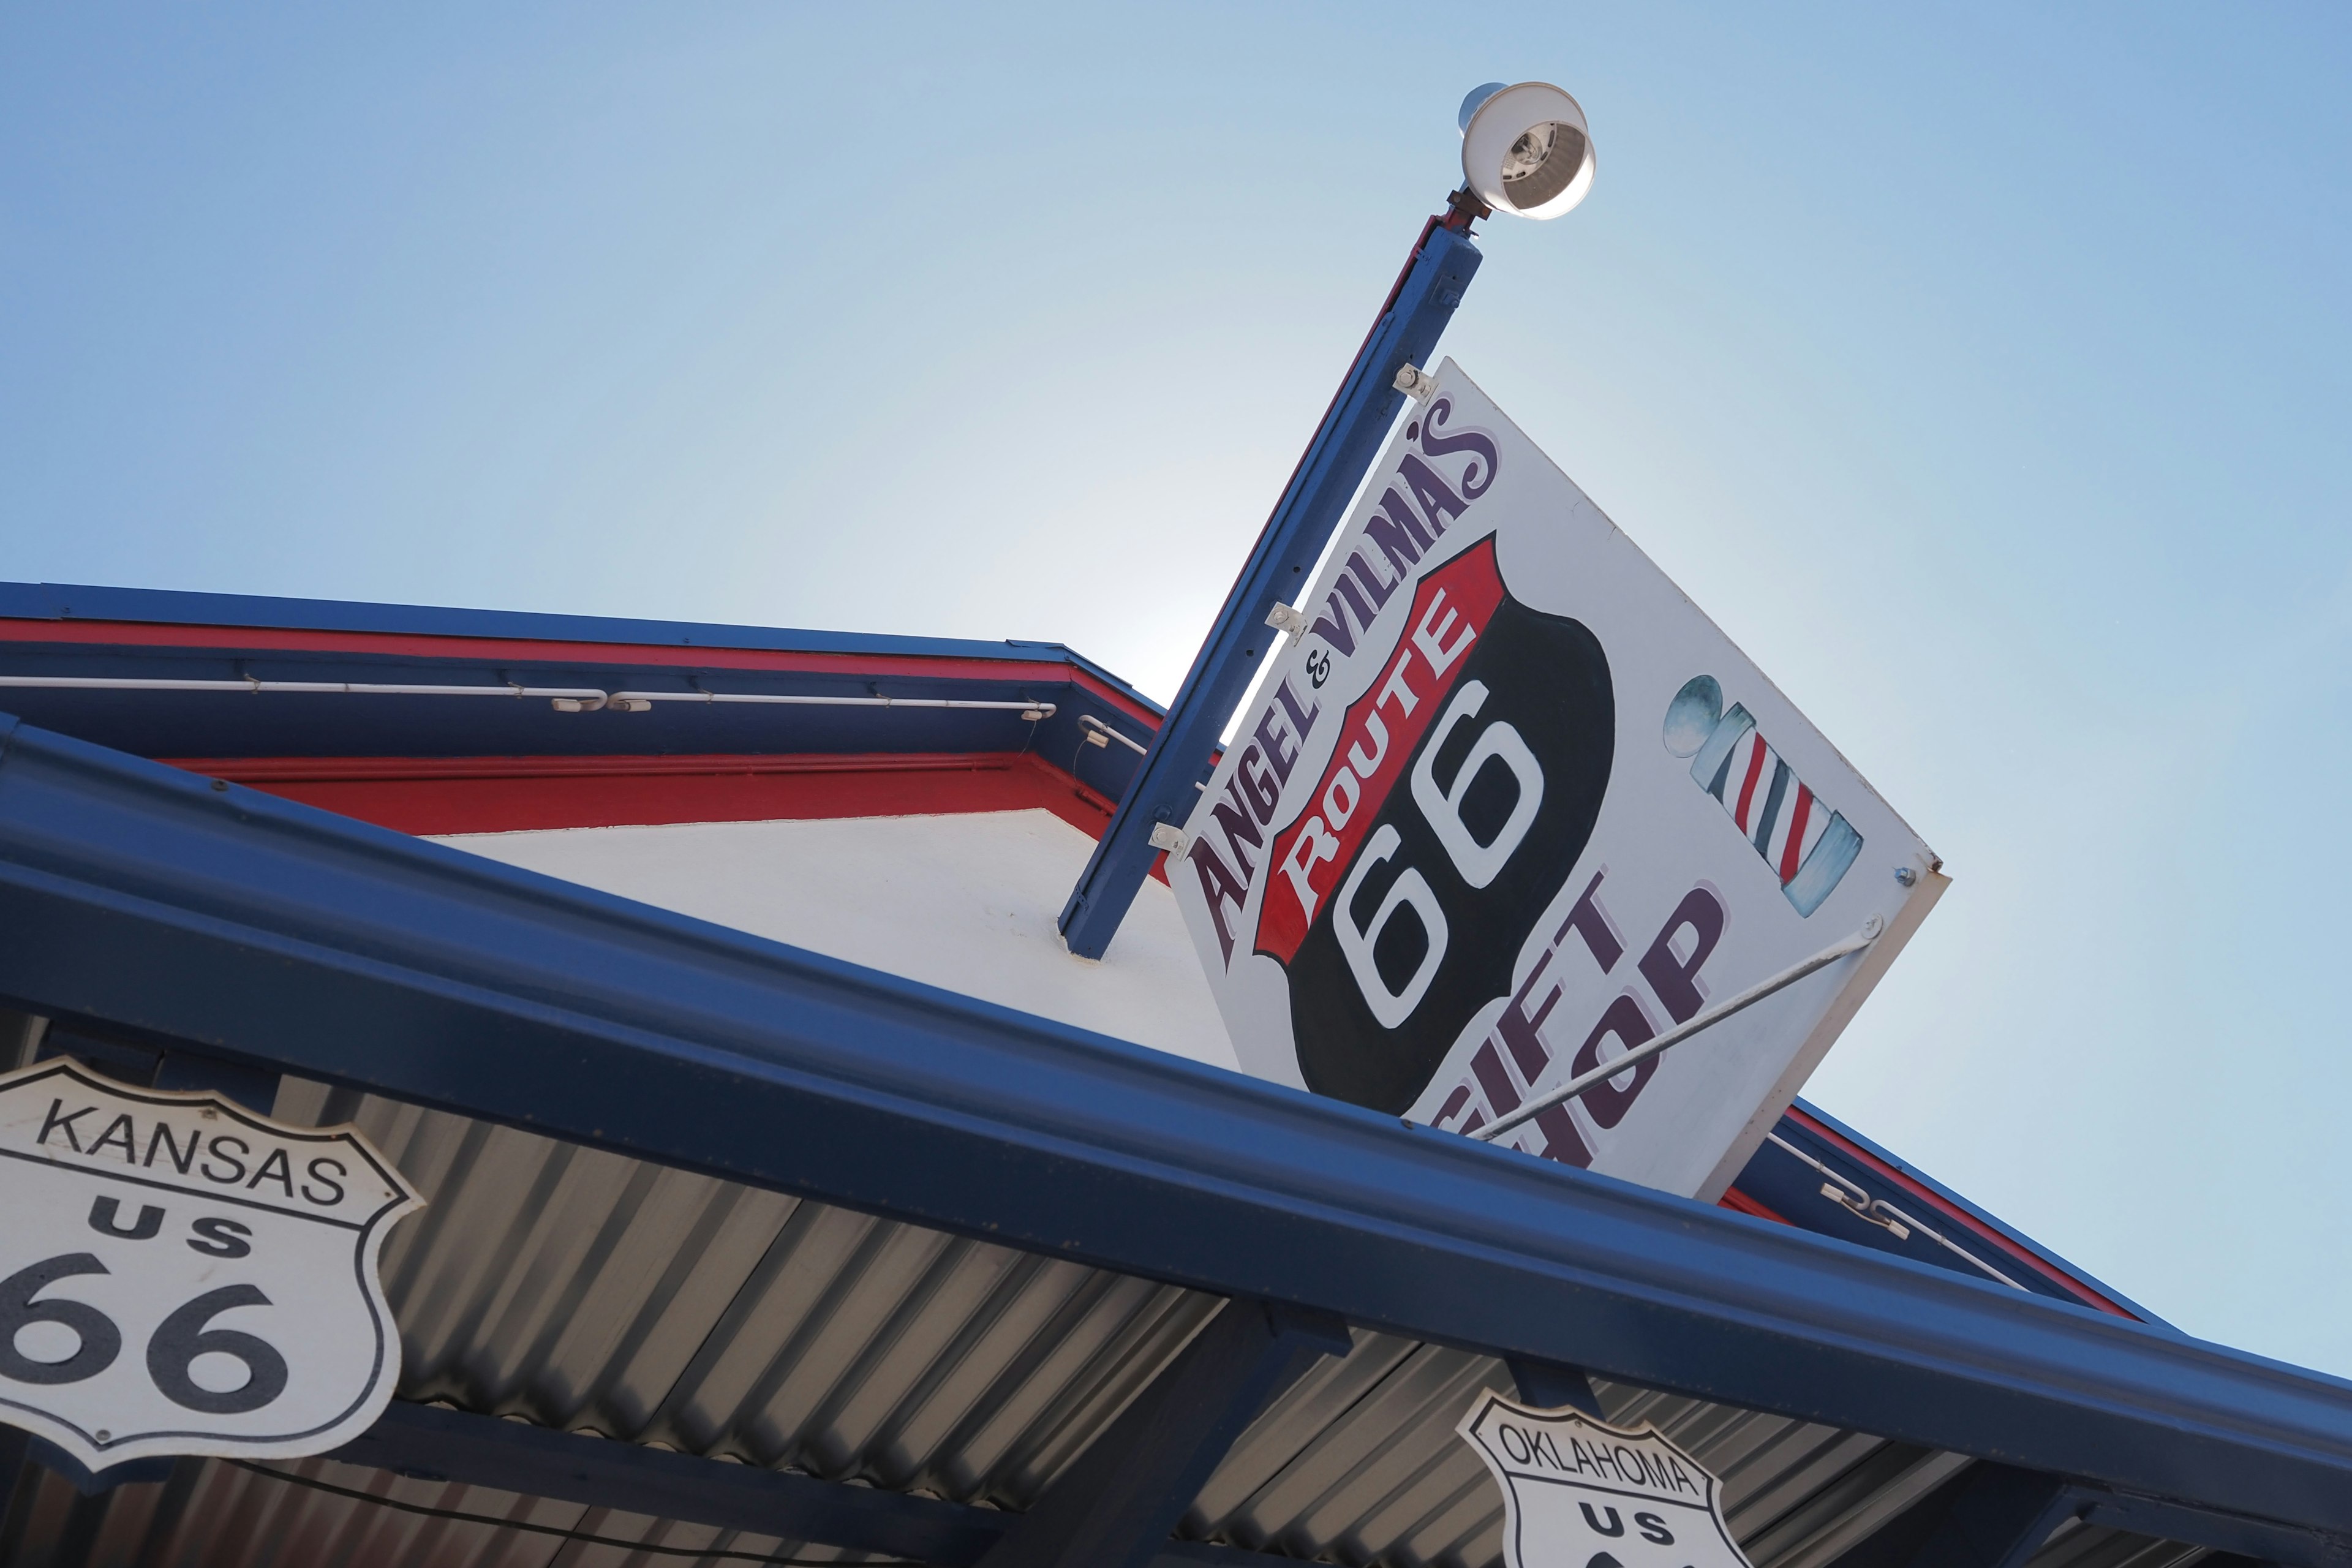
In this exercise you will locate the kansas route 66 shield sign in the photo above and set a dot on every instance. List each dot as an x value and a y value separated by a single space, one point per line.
181 1276
1580 1494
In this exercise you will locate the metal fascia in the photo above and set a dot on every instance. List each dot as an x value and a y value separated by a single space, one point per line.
163 606
133 893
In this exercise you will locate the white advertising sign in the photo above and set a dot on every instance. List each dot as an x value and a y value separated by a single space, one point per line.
1511 806
181 1276
1580 1494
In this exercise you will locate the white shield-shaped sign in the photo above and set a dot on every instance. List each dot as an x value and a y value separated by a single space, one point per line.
181 1276
1580 1494
1508 806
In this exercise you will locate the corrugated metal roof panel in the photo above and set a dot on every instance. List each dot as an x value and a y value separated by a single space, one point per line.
582 1289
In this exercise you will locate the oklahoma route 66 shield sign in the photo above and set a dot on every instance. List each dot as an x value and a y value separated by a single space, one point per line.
181 1276
1580 1494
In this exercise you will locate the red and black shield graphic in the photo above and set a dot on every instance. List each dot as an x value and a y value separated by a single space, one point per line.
1465 783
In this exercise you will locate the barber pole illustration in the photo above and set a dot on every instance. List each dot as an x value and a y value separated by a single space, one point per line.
1808 846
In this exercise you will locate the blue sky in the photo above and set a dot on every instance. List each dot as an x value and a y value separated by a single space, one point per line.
1981 369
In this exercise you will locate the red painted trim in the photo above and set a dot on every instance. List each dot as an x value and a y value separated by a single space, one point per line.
504 795
1962 1217
508 794
348 769
520 651
1738 1202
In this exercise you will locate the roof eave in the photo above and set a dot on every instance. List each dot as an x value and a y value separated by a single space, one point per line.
133 893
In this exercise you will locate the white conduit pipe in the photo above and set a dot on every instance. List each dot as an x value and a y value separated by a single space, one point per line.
93 683
638 701
1585 1082
1101 734
571 699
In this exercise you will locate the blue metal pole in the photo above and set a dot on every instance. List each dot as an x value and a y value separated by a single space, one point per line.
1440 267
1116 1503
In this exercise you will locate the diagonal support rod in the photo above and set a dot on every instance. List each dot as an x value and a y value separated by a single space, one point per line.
1585 1082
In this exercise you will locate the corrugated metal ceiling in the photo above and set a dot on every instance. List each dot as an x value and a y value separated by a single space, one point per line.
586 1292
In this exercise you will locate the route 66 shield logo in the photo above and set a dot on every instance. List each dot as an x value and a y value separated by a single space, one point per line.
1578 1493
181 1276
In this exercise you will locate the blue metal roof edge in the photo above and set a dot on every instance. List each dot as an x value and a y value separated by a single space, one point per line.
171 606
1989 1220
287 937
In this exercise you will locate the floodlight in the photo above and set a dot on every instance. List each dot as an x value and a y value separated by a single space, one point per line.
1526 149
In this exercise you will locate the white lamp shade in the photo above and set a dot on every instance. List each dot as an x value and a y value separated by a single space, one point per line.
1527 149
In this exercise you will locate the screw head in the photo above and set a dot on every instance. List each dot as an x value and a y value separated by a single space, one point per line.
1905 876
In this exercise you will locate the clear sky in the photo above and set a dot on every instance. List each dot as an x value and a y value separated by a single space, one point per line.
1981 368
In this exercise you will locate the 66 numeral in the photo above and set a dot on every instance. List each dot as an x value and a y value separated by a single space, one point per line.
177 1342
1477 864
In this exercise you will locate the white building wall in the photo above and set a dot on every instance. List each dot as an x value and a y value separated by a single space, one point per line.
964 901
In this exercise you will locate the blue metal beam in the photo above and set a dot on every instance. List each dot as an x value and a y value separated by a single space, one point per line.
429 1443
1116 1503
1996 1518
1898 1541
423 1442
1548 1385
1343 447
290 939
